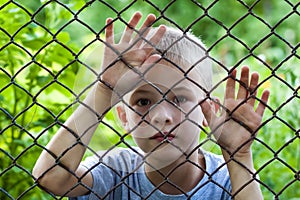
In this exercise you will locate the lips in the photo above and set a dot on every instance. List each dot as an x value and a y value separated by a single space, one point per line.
161 136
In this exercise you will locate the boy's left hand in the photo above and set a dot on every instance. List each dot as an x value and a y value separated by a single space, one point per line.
239 121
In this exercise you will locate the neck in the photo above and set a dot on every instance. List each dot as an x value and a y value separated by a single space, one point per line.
179 177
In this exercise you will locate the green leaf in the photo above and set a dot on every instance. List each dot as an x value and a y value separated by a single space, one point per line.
42 80
34 44
63 37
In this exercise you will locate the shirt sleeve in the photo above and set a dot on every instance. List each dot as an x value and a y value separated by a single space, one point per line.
107 169
103 175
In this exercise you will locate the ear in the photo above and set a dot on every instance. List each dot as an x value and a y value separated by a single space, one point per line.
122 115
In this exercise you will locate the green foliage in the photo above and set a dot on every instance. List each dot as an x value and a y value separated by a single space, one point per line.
44 51
34 67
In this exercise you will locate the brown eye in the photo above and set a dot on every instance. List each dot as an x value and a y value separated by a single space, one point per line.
143 102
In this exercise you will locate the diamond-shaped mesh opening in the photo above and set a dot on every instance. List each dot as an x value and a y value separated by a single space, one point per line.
71 124
18 15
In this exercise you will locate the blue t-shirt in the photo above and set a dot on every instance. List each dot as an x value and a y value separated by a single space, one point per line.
120 175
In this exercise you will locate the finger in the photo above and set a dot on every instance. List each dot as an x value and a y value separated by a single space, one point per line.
127 34
208 111
253 99
230 86
252 87
244 82
154 40
109 31
264 100
144 30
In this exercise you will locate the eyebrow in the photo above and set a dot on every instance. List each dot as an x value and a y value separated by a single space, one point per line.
146 91
186 89
181 88
172 90
141 91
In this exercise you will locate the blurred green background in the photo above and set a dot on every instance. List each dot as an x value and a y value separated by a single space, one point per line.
50 52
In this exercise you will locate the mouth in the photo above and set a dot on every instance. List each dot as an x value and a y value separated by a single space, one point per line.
162 136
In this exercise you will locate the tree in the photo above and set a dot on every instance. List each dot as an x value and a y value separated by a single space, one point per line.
47 53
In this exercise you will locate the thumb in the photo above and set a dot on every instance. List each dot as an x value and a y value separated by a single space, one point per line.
137 57
133 78
150 62
152 59
209 111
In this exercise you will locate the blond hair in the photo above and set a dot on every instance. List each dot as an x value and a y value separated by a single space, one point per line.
183 47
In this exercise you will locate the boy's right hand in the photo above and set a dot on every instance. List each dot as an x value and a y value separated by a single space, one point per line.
130 51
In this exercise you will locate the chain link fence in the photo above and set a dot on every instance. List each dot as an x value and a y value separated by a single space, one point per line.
51 53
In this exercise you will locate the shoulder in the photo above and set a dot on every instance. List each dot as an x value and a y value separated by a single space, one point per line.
108 168
217 172
116 158
215 164
212 158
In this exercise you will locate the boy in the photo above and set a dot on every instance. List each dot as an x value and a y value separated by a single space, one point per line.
159 81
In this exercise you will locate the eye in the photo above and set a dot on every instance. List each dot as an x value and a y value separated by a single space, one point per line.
180 99
143 102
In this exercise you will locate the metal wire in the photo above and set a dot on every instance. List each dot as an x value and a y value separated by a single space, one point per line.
12 121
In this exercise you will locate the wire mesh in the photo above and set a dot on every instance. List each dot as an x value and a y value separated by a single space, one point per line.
50 60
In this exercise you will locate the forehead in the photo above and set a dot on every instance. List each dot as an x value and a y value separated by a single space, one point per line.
164 77
170 72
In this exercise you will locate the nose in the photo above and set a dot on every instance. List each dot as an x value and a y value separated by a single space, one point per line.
161 115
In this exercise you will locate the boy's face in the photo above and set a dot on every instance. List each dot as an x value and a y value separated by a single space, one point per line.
164 116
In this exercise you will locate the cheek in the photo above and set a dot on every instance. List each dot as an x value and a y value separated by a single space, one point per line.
136 115
133 118
193 123
194 114
138 126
